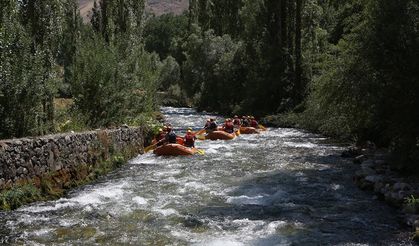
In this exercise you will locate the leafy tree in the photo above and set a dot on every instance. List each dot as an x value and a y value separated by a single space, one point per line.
161 32
112 84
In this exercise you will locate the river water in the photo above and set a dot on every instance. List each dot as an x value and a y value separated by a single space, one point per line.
282 187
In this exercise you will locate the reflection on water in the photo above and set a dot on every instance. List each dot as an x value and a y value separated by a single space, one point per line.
282 187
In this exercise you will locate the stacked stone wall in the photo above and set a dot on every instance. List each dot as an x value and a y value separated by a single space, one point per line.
26 159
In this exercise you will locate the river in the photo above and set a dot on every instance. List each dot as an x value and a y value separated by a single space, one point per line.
282 187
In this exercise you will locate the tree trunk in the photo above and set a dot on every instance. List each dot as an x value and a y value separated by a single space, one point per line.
298 63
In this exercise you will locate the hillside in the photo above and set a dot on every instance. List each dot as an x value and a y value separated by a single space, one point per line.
158 7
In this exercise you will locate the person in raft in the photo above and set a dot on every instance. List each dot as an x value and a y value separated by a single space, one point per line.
228 126
237 122
245 121
170 137
253 122
207 124
160 136
212 126
189 139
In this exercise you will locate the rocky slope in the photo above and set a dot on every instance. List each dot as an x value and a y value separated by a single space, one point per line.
157 7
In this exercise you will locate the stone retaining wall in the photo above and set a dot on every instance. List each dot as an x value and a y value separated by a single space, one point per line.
22 160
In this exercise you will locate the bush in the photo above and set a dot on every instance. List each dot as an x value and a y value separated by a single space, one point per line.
113 82
18 196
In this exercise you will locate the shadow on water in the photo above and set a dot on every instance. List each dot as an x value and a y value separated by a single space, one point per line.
316 207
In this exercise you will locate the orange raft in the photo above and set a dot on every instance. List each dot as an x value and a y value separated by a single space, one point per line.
174 150
248 130
220 135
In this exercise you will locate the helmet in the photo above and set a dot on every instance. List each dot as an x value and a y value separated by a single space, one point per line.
160 130
208 120
189 131
236 116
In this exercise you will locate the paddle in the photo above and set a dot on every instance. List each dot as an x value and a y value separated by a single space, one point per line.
200 132
201 137
262 128
150 148
200 151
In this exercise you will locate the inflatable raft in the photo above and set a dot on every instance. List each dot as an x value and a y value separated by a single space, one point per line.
220 135
248 130
174 150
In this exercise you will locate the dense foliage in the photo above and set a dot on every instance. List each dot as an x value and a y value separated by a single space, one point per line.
346 68
32 40
46 51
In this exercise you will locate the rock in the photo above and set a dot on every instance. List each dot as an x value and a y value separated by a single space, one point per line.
351 152
412 209
20 171
365 172
37 170
380 162
38 151
378 186
3 146
192 222
374 178
402 187
368 164
359 159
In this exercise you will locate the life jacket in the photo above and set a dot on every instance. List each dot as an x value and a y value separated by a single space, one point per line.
160 136
229 127
245 123
254 124
189 140
171 137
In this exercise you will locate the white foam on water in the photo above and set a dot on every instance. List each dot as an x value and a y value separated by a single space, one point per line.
196 186
286 133
166 212
27 219
139 200
273 226
335 186
301 145
68 222
227 241
241 200
146 159
41 208
42 232
113 192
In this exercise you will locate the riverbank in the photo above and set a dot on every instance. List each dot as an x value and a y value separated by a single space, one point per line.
44 168
375 175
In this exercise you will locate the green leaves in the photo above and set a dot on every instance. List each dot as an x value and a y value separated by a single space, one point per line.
112 82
